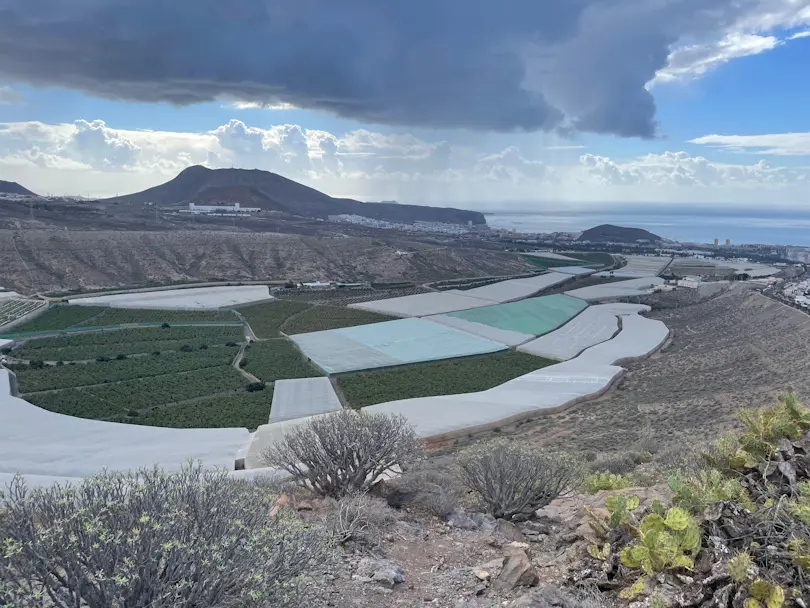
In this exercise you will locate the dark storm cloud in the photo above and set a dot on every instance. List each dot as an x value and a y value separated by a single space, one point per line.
499 65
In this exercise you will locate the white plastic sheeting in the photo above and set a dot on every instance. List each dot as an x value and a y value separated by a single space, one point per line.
618 289
551 256
548 388
303 397
575 270
199 298
388 344
644 265
592 326
622 308
423 304
638 338
504 336
52 446
514 289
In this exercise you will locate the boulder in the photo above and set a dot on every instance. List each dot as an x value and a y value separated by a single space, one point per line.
518 570
457 518
381 571
508 531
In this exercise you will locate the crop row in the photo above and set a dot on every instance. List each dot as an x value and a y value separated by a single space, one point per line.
277 360
60 316
266 319
111 351
210 335
466 375
122 316
243 410
69 376
320 318
112 399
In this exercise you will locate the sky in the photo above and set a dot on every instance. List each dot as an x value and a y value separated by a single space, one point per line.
515 105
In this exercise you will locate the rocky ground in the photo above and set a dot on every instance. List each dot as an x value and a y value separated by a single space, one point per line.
464 560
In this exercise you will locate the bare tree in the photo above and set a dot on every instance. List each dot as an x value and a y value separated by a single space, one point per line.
345 452
164 540
515 479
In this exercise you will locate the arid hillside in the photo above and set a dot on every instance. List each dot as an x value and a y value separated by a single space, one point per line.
737 350
42 260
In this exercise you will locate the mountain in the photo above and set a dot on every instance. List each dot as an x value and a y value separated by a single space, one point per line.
607 233
272 192
14 188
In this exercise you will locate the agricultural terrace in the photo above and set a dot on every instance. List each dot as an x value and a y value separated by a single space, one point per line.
123 316
546 263
247 410
466 375
266 319
108 400
270 319
320 318
60 317
277 360
32 380
110 344
65 317
596 259
12 309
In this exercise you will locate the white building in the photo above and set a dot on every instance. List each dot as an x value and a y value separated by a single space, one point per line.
236 208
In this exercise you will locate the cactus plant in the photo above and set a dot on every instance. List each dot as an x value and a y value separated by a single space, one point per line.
664 542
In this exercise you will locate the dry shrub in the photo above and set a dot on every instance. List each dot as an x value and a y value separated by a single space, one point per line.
359 518
619 463
430 491
165 540
345 452
513 478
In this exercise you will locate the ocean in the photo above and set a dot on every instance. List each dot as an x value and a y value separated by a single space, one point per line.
779 230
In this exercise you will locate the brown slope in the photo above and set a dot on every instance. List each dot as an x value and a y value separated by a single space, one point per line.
42 260
195 183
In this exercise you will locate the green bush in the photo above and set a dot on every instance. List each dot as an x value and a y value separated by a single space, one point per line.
193 539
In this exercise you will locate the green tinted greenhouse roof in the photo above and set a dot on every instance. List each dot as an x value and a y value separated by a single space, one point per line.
535 316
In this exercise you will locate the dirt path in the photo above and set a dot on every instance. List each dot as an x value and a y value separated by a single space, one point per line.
248 329
237 360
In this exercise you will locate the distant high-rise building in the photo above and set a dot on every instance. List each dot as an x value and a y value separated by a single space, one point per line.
728 241
716 242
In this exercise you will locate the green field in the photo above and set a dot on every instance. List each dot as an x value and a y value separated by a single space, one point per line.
60 316
121 316
118 398
243 410
319 318
70 376
81 347
277 360
266 319
597 258
467 375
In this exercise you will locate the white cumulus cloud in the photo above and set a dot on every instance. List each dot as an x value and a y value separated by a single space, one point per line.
782 144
